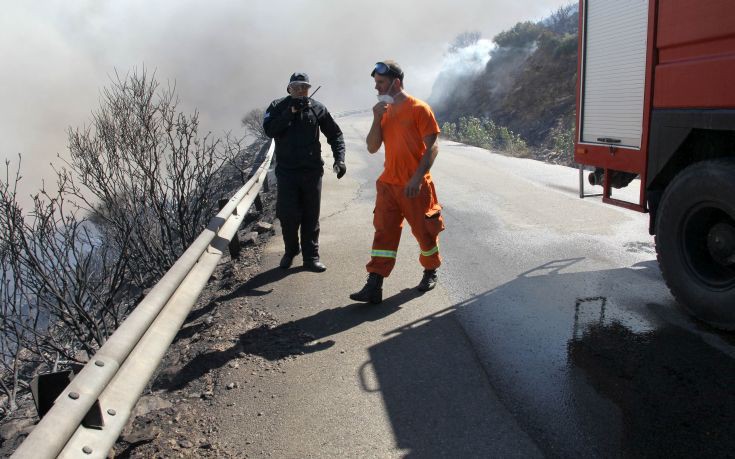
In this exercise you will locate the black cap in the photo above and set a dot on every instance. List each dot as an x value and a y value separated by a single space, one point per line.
299 77
388 68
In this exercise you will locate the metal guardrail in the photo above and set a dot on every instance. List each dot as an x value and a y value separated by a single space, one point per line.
118 373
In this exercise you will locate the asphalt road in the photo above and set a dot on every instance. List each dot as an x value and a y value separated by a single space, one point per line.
551 332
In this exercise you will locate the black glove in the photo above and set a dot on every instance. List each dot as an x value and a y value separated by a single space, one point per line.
300 103
340 169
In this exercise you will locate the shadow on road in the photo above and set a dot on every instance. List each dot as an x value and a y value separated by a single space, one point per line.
590 376
252 286
438 402
297 337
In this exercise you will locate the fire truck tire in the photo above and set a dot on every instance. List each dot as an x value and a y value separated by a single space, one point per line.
695 230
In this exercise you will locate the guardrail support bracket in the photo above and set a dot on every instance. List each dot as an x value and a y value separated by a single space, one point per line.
258 203
45 388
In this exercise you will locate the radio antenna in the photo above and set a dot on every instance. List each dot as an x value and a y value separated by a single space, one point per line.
312 94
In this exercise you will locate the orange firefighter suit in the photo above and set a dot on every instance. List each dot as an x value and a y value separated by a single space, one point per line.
403 128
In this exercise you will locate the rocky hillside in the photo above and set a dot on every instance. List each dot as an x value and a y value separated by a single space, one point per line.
527 85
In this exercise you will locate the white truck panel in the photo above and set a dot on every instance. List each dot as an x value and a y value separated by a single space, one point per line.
613 71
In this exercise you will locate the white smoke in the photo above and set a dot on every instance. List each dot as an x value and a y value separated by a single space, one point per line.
503 76
458 67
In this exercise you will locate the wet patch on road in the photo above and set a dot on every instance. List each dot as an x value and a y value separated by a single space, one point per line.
599 350
675 392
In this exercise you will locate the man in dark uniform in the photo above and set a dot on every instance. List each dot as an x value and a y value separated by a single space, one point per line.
294 122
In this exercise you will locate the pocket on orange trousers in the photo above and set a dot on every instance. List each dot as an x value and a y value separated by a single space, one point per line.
434 221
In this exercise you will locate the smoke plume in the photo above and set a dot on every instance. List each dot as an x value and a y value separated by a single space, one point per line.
225 57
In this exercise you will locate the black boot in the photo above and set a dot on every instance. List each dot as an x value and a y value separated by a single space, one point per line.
428 282
315 265
372 292
287 260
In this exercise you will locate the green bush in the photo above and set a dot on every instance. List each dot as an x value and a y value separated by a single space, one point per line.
568 45
484 133
473 132
561 140
519 36
449 130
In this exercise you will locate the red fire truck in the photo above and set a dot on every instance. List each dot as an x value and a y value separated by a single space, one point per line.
656 99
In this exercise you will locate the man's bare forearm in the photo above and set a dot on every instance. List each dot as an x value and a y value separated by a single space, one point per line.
428 159
375 136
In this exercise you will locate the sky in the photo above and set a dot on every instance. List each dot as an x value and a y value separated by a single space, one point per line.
225 57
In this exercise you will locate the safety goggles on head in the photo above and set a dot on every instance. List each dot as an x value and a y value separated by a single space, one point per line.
381 68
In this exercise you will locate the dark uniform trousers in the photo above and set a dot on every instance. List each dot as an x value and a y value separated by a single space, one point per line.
297 207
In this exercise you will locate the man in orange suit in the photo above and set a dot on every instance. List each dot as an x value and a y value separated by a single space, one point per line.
408 129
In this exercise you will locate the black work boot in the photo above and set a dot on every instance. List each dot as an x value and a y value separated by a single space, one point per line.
428 282
372 292
315 265
287 260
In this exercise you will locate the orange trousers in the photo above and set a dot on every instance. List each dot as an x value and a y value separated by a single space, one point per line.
423 214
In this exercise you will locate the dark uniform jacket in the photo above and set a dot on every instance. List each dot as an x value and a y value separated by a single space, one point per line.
297 134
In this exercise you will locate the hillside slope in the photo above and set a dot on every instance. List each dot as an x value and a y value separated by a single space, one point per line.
528 84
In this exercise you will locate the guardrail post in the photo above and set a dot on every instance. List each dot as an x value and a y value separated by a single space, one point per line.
234 246
258 203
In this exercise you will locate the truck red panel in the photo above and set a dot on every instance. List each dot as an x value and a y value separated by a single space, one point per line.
696 54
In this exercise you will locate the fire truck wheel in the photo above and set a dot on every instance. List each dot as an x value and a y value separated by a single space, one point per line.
695 240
